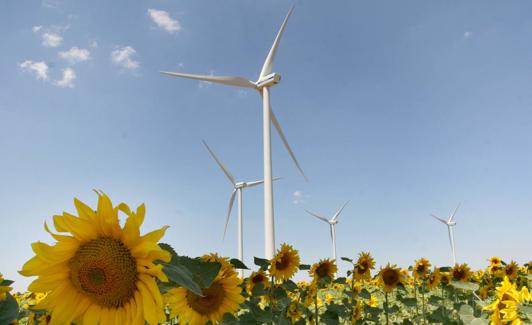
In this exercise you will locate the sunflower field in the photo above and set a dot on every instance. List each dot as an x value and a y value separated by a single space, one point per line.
103 271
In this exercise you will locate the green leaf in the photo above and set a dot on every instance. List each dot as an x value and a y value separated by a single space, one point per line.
259 290
410 302
392 309
169 249
445 269
364 293
304 267
341 280
290 285
8 310
346 259
262 263
435 300
467 286
6 283
203 273
182 277
237 264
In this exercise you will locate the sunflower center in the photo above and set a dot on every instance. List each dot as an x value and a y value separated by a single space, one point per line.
104 270
322 270
283 262
258 278
211 301
390 277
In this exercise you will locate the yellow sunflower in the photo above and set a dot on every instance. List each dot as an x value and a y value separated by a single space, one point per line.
373 301
421 268
445 278
256 278
293 312
4 289
223 296
495 260
324 268
390 277
433 279
461 272
496 270
285 263
510 270
100 273
363 267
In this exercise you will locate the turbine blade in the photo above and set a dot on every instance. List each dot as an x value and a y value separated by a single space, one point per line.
439 219
337 214
452 215
255 183
317 216
225 170
268 63
285 142
226 80
231 202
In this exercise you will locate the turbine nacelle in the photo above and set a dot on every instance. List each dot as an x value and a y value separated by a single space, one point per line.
241 185
452 223
333 222
268 80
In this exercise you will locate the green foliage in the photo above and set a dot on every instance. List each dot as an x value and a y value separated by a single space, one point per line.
8 310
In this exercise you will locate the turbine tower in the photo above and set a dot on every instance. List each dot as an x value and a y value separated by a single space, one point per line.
332 225
450 224
237 191
266 79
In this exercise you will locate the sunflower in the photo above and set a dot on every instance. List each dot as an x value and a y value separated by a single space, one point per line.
510 270
461 272
294 312
256 278
497 270
4 289
504 307
421 268
100 273
285 264
445 278
390 277
325 268
483 292
433 279
223 296
373 301
495 260
363 267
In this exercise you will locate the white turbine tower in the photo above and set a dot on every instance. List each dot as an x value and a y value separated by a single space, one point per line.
237 191
450 224
266 79
332 225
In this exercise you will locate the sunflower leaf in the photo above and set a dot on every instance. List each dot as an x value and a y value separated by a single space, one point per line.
8 310
304 267
238 264
181 276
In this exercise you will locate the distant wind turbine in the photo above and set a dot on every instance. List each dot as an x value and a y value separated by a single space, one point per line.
237 190
450 224
332 225
266 79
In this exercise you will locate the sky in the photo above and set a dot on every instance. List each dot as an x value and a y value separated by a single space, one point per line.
405 108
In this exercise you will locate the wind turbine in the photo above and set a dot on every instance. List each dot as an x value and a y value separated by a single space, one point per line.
237 191
332 225
450 224
266 79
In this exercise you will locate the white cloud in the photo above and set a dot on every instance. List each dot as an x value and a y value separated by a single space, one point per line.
36 29
75 55
467 35
40 69
68 79
122 57
164 21
51 39
298 197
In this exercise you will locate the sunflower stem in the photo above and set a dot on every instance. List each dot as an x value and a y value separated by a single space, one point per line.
386 308
423 302
415 296
316 314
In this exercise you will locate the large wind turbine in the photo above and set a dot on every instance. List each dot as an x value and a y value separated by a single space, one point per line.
266 79
450 224
237 191
332 225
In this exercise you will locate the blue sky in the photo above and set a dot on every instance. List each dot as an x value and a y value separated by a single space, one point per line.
403 107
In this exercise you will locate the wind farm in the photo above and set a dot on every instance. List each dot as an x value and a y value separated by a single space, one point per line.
396 112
